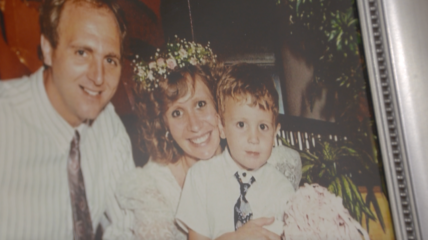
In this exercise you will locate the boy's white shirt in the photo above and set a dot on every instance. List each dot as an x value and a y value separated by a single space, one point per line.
211 191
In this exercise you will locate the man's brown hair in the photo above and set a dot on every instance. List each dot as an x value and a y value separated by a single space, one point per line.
50 13
244 82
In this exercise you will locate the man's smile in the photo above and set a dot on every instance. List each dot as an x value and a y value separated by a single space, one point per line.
90 92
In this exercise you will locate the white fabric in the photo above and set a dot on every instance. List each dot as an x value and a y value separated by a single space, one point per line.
34 147
211 191
152 193
288 162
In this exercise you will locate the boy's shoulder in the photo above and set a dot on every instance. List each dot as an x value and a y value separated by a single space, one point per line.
275 180
270 172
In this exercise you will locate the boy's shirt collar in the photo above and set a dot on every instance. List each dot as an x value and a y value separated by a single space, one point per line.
232 167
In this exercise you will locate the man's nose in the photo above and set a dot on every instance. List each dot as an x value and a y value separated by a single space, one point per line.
96 72
194 122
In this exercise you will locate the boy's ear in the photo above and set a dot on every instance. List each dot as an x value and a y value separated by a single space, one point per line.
278 128
221 128
47 50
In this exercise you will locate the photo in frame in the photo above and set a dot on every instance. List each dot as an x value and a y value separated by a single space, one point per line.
315 53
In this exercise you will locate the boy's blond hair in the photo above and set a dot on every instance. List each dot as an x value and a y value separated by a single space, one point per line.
244 82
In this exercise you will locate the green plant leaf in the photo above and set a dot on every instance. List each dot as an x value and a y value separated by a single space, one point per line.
339 187
307 168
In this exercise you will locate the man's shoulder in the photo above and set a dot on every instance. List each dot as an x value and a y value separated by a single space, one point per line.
15 88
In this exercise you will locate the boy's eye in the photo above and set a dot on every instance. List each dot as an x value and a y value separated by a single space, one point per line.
264 127
201 104
240 124
175 113
80 52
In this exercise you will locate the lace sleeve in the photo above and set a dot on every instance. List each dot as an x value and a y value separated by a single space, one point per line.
154 219
288 162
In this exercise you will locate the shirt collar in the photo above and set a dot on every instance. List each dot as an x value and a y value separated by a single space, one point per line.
231 167
53 123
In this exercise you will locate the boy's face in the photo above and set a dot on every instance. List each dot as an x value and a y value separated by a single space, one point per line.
250 133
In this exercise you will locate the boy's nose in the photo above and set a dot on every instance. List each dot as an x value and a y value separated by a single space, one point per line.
253 137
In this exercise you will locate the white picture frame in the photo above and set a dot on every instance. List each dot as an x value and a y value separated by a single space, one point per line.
394 41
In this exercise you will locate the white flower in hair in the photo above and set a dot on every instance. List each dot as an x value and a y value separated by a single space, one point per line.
171 63
180 54
193 61
152 65
183 53
160 62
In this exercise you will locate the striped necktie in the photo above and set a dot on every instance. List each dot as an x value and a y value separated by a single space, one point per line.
82 224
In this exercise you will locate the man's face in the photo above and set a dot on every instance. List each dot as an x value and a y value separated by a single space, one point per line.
85 66
250 133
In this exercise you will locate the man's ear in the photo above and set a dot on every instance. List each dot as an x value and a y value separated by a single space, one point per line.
221 128
47 51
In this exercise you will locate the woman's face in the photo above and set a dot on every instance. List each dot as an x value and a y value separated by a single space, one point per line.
192 121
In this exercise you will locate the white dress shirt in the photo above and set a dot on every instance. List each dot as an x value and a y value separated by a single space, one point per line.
211 190
34 147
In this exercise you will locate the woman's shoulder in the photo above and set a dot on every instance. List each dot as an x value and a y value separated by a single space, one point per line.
288 162
141 184
284 154
284 151
147 173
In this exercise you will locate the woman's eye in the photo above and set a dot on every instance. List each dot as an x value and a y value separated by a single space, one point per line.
176 113
240 124
264 127
201 104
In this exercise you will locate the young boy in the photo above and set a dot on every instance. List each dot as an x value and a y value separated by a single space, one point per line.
222 194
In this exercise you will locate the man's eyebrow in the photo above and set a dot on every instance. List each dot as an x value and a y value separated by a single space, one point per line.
86 48
113 55
89 49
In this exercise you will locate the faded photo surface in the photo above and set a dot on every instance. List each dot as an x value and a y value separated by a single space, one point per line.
174 115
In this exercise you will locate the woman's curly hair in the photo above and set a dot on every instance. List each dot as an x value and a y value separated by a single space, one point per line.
151 107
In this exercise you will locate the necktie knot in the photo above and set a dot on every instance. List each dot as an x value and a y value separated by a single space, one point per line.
74 156
244 186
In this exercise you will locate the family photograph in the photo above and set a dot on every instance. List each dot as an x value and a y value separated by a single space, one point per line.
187 119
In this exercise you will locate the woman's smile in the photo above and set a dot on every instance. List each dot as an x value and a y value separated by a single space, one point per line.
201 140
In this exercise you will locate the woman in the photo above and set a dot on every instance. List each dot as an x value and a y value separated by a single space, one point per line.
178 126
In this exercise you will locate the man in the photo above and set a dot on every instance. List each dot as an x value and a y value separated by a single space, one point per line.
62 146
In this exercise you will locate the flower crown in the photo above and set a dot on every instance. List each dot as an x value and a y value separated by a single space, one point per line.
180 53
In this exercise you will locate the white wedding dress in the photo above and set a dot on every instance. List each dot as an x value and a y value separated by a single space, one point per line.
152 193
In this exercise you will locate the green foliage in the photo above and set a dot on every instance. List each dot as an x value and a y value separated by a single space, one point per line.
326 34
